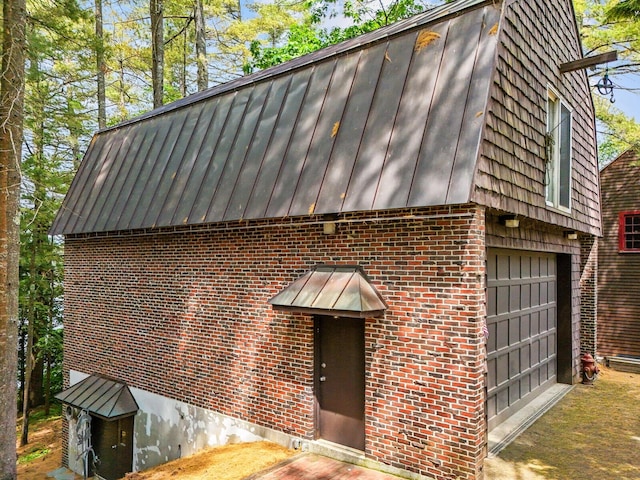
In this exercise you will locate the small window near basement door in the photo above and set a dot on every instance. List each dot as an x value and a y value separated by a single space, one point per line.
558 140
629 232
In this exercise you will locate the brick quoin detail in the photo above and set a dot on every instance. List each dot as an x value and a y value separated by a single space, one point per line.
184 314
589 294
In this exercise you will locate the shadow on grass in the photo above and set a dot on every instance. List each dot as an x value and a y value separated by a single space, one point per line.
594 433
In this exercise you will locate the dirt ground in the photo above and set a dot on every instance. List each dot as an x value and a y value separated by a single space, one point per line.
43 453
230 462
594 433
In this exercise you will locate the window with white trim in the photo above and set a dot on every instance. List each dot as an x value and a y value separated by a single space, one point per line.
558 143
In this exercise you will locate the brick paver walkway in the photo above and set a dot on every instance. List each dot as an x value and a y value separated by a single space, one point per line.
315 467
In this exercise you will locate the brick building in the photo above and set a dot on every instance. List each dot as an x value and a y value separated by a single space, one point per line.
375 249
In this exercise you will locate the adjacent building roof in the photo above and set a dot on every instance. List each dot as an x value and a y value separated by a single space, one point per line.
391 119
332 290
100 396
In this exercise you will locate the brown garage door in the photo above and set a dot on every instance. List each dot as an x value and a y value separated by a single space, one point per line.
521 319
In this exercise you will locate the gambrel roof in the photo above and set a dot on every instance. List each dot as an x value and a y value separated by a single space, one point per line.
391 119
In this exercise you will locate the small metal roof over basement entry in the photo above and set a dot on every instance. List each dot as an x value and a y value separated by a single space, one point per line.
100 396
343 291
391 119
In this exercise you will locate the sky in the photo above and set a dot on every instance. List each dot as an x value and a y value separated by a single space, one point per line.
627 101
626 95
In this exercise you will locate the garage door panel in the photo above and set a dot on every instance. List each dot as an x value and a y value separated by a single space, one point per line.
502 300
514 331
525 326
502 368
514 363
502 334
525 296
521 322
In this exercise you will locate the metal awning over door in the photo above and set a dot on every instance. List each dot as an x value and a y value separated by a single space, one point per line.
343 291
100 396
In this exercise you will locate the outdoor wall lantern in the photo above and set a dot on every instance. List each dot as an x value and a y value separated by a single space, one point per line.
329 228
571 235
329 224
605 86
510 221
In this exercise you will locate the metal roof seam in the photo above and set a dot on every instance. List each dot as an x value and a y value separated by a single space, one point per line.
229 154
268 146
426 124
358 155
166 208
88 184
115 170
295 123
175 220
470 115
151 216
393 130
213 151
250 143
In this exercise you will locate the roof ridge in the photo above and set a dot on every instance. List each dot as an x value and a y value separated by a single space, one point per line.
433 15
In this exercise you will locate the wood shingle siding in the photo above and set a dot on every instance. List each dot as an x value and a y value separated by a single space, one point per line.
618 273
394 121
535 38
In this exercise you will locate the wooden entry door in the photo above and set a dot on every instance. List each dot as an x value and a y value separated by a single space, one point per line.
112 442
340 380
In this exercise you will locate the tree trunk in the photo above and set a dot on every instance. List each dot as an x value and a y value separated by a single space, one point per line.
157 51
11 128
101 68
28 363
201 48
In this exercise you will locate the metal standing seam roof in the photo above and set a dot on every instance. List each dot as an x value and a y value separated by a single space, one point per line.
391 119
332 290
100 396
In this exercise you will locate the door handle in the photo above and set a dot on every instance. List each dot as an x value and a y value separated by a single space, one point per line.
323 378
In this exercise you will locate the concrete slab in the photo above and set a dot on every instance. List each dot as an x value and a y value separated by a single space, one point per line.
61 474
508 431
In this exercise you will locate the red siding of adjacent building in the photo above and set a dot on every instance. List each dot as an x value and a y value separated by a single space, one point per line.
618 273
185 314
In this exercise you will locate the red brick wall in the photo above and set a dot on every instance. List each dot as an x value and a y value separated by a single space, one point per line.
185 315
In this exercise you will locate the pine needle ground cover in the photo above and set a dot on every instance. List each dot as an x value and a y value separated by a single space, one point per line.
594 433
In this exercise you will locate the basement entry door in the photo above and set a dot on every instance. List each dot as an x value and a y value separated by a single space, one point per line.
113 446
340 380
522 320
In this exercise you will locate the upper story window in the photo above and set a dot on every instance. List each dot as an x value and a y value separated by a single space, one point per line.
558 174
629 232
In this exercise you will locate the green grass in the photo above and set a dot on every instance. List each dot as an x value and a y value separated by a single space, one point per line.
33 455
593 433
37 415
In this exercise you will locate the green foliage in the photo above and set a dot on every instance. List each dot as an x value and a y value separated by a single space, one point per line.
624 10
57 125
601 32
32 455
617 131
310 35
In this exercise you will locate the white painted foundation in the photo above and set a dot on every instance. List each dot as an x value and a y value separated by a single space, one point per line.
166 429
